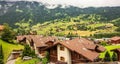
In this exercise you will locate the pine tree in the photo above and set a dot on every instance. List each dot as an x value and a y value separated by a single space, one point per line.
107 57
114 57
7 34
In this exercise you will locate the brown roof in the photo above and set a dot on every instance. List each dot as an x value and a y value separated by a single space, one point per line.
28 37
115 38
101 48
19 38
78 45
41 42
1 27
118 49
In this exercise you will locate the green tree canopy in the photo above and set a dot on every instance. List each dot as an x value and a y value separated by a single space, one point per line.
23 27
7 34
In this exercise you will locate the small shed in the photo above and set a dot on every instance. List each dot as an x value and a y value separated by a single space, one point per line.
14 54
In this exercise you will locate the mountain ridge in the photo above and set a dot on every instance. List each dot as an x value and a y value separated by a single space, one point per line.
12 12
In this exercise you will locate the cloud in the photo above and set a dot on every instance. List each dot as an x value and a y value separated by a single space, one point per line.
81 3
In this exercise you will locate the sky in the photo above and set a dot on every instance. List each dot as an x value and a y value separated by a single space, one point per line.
80 3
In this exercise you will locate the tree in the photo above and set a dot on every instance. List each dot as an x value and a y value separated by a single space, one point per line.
7 34
28 52
1 55
45 60
107 57
23 27
114 57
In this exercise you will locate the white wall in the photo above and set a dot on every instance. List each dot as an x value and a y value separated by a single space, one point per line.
66 54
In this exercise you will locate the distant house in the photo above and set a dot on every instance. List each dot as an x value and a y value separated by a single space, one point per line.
78 50
1 28
118 53
115 40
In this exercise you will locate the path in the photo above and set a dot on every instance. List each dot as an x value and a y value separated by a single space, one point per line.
11 62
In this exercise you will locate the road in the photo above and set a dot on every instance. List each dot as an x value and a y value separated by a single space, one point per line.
11 62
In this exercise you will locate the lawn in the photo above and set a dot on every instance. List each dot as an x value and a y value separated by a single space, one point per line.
7 48
32 61
111 47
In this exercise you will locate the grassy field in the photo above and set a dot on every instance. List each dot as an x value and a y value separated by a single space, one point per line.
111 47
32 61
7 48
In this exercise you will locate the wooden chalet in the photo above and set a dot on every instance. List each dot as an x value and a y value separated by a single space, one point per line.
79 50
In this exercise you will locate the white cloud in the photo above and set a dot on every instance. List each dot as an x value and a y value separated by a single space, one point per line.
83 3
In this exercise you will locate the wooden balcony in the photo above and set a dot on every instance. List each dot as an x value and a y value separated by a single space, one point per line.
53 58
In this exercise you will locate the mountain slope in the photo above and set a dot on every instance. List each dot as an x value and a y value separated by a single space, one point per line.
12 12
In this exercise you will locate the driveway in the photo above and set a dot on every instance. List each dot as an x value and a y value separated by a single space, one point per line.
11 61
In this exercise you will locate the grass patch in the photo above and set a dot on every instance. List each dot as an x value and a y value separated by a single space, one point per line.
32 61
7 48
108 48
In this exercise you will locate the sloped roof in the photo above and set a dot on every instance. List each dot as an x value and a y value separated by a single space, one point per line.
101 48
19 38
41 42
115 38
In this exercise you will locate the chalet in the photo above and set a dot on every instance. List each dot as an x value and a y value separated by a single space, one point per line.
78 50
37 42
41 43
115 40
118 53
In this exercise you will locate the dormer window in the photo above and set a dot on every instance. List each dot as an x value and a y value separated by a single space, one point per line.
62 47
49 43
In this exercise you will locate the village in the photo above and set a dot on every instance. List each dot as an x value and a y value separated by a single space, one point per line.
66 50
59 32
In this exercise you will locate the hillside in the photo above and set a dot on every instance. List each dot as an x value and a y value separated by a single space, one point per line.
7 48
12 12
77 26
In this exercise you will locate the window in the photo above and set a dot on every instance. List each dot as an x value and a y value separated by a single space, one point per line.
61 47
62 59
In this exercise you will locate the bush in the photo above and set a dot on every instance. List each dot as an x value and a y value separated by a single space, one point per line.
45 60
103 44
28 52
7 34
